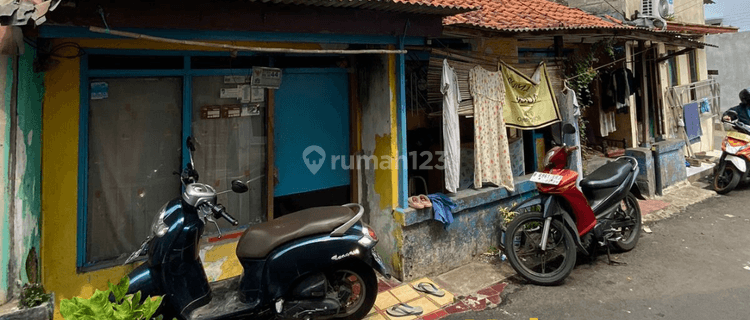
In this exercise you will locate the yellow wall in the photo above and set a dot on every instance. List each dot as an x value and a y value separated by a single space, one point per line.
59 187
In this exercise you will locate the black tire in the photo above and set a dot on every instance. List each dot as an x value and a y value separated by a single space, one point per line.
632 211
368 279
526 228
727 180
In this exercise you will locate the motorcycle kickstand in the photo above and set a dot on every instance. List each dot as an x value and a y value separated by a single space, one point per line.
610 261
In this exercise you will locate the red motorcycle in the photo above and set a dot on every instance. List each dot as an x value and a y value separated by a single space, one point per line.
541 243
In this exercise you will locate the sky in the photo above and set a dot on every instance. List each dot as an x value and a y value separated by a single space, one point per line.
734 12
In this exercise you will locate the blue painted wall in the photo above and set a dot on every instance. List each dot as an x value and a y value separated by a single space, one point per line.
311 109
429 248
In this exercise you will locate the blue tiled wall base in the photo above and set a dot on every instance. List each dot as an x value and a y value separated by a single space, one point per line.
646 179
669 163
428 248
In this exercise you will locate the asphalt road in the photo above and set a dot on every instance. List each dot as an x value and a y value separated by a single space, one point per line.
694 265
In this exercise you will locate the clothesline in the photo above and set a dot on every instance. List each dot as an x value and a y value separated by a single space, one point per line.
607 64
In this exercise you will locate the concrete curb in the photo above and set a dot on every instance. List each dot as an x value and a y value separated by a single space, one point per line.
679 196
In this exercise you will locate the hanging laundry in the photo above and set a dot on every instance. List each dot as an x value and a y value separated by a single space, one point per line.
618 86
443 208
451 133
491 151
607 122
571 111
530 102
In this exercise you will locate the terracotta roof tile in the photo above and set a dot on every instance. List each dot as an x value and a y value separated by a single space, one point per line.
524 15
440 7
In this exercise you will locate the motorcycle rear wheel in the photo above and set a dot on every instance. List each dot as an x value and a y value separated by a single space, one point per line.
523 249
632 211
360 284
726 180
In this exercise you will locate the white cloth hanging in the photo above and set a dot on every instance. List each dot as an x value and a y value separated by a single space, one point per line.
607 121
571 111
491 150
451 132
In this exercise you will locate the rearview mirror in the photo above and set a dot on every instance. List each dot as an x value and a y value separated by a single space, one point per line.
569 128
239 186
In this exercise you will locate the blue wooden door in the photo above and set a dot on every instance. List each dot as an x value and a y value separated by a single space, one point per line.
311 127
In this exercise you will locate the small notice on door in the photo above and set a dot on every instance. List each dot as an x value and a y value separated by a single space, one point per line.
210 112
99 90
231 111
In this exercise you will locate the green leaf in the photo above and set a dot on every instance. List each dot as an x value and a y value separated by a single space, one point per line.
137 300
124 311
149 307
120 289
68 308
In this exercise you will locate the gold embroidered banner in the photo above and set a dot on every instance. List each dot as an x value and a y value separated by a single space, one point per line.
529 102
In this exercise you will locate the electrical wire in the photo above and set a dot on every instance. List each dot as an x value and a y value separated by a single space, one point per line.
53 52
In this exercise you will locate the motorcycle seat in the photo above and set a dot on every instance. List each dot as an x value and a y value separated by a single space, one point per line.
260 239
609 175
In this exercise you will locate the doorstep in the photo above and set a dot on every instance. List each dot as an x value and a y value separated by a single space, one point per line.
483 295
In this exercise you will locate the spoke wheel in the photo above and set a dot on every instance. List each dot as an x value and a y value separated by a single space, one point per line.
726 180
355 287
523 249
630 211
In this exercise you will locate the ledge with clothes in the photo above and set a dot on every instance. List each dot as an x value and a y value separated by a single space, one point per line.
440 204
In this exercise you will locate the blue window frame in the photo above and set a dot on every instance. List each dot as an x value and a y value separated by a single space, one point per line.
86 75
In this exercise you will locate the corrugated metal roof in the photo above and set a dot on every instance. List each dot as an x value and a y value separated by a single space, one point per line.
439 7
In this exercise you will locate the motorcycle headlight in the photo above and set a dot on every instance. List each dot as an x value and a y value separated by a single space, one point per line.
158 227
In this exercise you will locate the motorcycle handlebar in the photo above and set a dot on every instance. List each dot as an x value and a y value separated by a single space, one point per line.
220 211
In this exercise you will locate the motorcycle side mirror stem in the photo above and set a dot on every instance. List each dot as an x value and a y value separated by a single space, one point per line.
239 186
569 128
191 149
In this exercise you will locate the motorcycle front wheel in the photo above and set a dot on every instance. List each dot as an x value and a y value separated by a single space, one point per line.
726 180
523 249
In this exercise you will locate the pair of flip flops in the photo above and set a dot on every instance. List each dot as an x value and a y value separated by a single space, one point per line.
420 202
429 288
403 309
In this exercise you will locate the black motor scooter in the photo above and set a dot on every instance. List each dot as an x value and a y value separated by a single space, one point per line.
313 264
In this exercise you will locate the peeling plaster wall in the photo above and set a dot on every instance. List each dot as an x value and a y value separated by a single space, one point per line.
6 84
430 249
377 92
28 167
21 170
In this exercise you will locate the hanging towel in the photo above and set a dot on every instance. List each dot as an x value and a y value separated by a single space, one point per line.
491 150
443 208
571 111
451 134
607 121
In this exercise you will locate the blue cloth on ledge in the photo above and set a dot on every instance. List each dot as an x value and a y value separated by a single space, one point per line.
443 208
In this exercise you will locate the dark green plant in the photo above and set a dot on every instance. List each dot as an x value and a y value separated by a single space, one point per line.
582 73
98 307
32 295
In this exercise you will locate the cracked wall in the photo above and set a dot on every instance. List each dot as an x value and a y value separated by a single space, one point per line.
377 92
21 170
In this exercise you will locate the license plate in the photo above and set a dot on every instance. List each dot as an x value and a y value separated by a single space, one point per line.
546 178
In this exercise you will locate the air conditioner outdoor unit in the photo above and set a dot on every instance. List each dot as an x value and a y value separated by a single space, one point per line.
654 13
